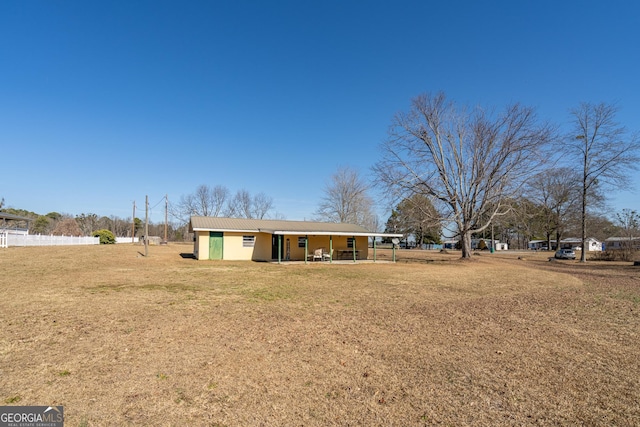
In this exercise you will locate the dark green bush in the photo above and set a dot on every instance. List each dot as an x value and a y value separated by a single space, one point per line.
106 237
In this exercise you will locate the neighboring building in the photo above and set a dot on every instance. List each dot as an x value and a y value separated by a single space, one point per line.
538 245
475 244
449 244
593 245
616 243
14 224
265 240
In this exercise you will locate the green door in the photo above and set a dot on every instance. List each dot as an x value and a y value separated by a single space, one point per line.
215 245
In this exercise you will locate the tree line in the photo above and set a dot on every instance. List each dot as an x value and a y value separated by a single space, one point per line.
87 224
449 169
481 167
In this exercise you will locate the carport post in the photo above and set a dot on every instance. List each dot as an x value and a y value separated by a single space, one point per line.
354 248
306 248
374 249
279 249
330 249
393 245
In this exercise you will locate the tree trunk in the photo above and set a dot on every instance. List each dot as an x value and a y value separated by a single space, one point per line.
583 254
466 244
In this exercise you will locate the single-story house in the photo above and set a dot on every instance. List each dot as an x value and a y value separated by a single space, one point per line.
218 238
537 245
616 243
475 244
568 243
593 245
449 244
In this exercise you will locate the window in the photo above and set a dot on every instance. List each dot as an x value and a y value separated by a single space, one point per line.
350 241
248 241
301 242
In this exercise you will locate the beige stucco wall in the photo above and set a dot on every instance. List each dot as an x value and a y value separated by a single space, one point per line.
232 248
262 250
201 245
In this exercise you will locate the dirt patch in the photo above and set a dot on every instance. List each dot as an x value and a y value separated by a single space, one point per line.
120 339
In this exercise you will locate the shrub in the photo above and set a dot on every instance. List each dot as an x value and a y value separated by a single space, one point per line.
106 237
615 255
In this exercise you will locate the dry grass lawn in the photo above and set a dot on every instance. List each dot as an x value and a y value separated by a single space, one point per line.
120 339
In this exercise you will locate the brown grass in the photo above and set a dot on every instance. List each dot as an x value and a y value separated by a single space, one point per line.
120 339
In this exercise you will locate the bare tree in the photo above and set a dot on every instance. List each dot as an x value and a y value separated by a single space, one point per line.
557 193
243 205
604 151
120 227
87 223
262 204
205 201
469 162
629 222
346 199
67 227
240 205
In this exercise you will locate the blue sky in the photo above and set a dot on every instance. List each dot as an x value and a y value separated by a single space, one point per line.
102 103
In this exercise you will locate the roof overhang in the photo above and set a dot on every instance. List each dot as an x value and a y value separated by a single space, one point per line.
4 215
228 230
303 233
281 227
332 233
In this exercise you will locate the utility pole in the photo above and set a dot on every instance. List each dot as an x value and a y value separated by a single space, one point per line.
133 223
146 226
166 216
493 242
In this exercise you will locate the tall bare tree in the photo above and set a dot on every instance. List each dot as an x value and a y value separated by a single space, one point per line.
205 201
557 193
240 205
605 152
262 205
244 205
346 199
468 161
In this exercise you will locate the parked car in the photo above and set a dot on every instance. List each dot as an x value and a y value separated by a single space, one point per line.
565 254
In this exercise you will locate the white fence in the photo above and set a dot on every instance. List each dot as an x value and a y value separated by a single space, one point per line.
126 240
7 240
